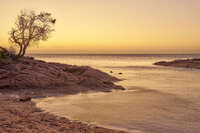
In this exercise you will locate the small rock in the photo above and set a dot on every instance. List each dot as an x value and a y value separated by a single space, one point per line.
120 73
25 99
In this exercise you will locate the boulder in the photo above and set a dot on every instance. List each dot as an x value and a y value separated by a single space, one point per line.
24 99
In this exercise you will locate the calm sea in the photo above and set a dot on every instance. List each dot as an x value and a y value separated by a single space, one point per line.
157 100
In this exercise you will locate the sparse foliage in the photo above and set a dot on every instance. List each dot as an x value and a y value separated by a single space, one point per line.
29 28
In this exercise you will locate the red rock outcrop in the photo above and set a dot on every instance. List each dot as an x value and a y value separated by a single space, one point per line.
38 76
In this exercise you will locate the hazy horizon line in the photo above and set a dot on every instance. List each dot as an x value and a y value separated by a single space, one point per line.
113 54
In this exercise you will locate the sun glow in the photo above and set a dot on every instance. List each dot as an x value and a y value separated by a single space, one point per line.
114 26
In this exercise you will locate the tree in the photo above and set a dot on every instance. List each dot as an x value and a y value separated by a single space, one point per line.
29 28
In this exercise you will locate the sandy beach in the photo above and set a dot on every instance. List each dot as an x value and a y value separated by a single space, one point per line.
25 117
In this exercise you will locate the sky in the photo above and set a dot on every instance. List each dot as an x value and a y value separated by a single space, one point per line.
112 26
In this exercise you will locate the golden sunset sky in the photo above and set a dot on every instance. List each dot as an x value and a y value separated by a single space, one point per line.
112 26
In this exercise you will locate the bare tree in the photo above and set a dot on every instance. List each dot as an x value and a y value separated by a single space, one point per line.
29 28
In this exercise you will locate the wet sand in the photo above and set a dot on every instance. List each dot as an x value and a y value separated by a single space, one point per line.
137 111
25 117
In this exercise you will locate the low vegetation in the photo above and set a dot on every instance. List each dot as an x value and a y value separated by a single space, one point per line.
3 53
8 53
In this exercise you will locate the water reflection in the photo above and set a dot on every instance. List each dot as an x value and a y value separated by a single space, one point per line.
157 100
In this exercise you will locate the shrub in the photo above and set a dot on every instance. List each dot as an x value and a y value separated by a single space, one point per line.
4 53
1 56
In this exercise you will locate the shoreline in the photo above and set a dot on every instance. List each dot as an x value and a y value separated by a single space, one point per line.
92 124
40 102
26 117
33 79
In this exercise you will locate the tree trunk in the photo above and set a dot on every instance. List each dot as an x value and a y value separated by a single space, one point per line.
24 51
20 50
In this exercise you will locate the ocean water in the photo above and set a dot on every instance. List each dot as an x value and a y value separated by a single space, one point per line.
157 99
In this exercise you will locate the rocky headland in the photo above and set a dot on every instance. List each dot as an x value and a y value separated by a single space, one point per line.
35 78
25 78
185 63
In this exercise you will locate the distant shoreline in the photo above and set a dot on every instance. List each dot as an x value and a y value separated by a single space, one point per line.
99 54
184 63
